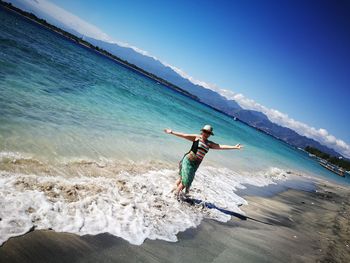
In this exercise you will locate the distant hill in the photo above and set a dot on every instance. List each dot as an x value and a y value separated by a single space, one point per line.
344 163
289 136
154 66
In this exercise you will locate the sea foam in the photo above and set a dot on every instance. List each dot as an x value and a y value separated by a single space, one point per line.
133 206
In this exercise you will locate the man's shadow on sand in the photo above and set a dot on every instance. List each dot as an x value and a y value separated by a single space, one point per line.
194 201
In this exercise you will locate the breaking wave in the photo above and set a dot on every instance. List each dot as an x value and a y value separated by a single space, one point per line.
129 200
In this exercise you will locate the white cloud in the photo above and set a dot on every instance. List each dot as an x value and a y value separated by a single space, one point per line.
70 20
138 50
187 76
321 135
47 9
54 13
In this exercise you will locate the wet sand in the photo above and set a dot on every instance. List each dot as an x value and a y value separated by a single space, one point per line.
302 226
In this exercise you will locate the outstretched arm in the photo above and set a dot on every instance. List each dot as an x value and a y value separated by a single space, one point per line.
216 146
190 137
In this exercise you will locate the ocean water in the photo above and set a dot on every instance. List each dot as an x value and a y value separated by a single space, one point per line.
82 147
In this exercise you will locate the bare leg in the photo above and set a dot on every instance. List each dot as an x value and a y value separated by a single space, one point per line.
179 189
178 181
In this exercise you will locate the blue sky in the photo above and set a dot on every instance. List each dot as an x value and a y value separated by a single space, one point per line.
292 56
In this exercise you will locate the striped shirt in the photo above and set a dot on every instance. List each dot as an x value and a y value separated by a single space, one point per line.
200 148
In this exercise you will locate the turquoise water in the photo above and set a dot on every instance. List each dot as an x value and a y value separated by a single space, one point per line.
82 147
60 100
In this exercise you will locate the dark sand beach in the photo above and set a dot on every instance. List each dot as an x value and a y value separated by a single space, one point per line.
302 226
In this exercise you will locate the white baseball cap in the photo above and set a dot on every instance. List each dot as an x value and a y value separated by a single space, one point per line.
208 128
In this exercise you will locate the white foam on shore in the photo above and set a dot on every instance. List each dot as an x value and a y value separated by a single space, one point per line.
131 206
13 156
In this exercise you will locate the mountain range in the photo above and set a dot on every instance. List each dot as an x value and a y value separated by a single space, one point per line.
207 96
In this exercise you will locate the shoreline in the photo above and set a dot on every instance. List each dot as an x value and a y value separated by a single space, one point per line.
307 226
